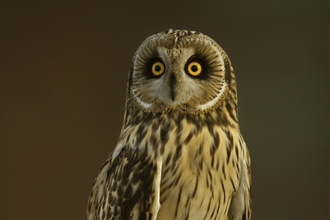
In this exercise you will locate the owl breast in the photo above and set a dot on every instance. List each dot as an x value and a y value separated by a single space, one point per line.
198 175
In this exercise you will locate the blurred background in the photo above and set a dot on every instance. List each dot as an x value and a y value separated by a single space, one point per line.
63 73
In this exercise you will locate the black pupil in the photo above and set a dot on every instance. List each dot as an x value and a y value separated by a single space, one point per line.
194 68
157 68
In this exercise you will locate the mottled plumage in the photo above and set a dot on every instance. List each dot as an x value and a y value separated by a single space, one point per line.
180 154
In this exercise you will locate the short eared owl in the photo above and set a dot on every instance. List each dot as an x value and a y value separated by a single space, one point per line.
180 154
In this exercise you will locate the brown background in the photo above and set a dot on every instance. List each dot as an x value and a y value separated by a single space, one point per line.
64 68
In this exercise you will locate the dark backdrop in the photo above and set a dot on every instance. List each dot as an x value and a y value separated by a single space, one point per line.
63 72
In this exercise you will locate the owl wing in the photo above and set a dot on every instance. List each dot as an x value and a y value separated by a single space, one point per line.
127 187
241 203
97 189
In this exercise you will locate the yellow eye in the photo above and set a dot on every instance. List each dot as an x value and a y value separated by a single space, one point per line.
194 68
158 68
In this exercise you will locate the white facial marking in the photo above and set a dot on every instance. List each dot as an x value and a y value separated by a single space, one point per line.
213 101
144 104
163 55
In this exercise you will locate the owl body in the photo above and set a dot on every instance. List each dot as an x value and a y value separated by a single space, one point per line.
180 154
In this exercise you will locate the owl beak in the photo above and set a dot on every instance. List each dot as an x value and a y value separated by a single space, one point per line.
172 92
172 83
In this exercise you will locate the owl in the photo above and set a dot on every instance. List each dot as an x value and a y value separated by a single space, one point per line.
180 154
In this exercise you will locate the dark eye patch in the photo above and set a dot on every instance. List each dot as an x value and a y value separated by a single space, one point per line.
204 64
148 67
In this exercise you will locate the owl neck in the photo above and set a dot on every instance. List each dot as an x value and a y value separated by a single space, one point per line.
225 116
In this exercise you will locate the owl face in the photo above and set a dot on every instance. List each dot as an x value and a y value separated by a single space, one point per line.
178 70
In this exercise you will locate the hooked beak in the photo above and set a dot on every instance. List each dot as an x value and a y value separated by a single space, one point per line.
172 83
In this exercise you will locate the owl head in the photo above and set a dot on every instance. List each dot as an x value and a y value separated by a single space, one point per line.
179 70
